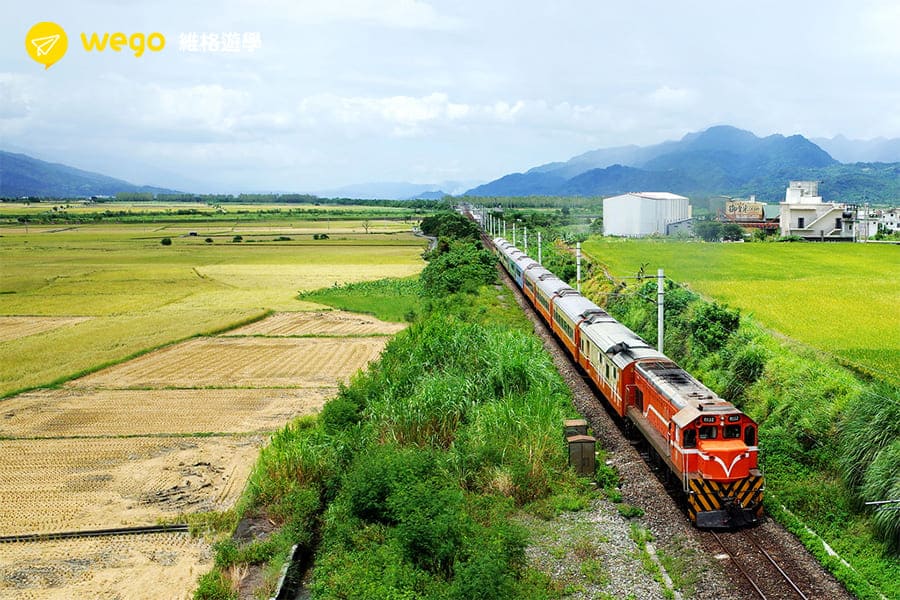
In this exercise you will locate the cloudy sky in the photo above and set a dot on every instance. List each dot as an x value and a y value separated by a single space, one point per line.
348 91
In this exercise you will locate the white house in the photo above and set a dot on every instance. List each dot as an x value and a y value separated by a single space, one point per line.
638 214
803 213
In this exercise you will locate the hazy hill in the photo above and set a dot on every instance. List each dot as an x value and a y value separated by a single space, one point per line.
22 175
719 160
851 151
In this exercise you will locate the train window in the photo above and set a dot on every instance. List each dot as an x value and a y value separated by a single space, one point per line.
750 435
607 371
732 432
708 432
690 438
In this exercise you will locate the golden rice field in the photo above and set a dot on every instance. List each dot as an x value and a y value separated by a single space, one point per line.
122 292
334 322
89 412
62 484
241 362
842 299
159 566
94 454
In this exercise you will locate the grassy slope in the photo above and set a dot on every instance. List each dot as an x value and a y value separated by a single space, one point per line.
802 397
839 298
141 294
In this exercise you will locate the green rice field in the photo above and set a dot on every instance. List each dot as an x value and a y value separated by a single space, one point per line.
843 299
73 297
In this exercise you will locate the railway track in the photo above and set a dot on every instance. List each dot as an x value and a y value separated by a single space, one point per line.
788 571
765 575
91 533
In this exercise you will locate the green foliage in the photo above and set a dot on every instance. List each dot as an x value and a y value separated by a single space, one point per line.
712 324
208 240
870 425
237 239
708 231
464 267
381 473
732 232
166 241
629 512
451 225
394 300
214 586
882 482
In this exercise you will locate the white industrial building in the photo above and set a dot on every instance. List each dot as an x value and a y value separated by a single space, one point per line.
638 214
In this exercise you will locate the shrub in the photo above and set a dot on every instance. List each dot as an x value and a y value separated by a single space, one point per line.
463 268
214 586
208 240
712 324
166 241
237 239
882 482
431 525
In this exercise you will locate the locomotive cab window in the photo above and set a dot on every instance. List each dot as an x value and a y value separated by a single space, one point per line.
732 432
708 432
690 438
750 435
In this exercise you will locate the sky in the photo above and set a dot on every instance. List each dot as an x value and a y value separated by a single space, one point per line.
322 94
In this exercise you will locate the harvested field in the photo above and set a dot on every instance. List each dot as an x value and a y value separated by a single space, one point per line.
335 322
79 412
12 328
133 566
74 484
242 362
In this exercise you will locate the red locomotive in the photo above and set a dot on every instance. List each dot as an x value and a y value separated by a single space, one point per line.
706 442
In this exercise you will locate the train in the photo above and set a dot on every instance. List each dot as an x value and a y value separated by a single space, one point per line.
706 443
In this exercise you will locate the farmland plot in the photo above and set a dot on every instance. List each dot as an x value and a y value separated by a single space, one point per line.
130 566
89 412
18 327
242 362
74 484
334 322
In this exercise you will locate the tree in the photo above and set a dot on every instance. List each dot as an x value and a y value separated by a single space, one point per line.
732 232
709 231
366 225
166 241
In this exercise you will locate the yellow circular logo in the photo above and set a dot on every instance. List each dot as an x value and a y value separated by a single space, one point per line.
46 43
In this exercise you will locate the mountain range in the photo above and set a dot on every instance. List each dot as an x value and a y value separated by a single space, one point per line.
721 160
22 175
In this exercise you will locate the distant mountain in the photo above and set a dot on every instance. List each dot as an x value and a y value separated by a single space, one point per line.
22 175
394 190
719 160
438 195
852 151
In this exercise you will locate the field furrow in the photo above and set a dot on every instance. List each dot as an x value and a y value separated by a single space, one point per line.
89 412
74 484
12 328
318 323
242 362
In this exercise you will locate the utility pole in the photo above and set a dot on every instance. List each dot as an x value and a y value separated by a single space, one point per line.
578 266
660 302
526 241
539 248
504 230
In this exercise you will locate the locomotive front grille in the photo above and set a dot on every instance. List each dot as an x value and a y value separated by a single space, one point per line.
725 504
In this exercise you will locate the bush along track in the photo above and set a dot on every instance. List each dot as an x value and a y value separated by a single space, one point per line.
830 439
417 480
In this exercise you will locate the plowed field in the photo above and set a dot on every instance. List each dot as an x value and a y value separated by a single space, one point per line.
318 323
242 362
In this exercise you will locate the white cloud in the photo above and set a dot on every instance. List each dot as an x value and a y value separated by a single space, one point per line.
402 14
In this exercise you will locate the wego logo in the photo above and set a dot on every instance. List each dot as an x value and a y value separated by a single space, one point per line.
136 41
47 42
